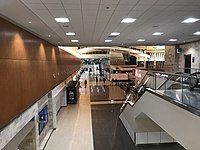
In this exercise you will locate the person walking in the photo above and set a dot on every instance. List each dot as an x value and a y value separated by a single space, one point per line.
112 81
96 79
104 80
85 82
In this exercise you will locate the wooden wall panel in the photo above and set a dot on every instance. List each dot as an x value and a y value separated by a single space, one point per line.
27 66
33 80
10 89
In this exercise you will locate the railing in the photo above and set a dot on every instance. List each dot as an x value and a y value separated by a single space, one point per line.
183 89
173 69
135 92
180 88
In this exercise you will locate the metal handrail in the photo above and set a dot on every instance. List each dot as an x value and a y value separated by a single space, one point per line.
143 82
173 74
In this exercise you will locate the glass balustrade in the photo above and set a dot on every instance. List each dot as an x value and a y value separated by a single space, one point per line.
184 89
178 87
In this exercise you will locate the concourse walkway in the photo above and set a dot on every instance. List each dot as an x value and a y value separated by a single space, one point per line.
93 123
74 128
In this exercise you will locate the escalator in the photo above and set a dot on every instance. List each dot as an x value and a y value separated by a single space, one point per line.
171 102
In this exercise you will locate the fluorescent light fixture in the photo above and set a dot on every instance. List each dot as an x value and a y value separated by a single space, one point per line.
70 33
158 33
74 41
115 33
128 20
141 40
29 22
107 41
197 33
173 40
190 20
62 20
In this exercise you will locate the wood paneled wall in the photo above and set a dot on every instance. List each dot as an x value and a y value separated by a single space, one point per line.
29 68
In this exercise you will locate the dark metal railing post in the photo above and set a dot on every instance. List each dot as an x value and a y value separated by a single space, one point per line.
155 81
165 85
182 88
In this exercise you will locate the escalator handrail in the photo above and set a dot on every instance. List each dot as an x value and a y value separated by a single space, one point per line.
174 74
177 73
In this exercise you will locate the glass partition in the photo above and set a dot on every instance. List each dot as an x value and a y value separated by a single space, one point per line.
184 89
181 88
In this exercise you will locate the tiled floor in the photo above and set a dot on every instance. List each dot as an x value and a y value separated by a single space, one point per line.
106 93
85 127
111 135
74 129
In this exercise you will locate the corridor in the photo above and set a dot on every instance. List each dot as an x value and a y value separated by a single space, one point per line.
93 122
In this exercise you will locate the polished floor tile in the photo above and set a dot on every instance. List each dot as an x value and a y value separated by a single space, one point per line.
74 128
110 134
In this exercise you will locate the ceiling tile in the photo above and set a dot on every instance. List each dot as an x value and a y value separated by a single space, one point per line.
110 1
72 6
94 26
54 6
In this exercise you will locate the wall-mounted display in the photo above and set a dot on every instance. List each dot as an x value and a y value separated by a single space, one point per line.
43 119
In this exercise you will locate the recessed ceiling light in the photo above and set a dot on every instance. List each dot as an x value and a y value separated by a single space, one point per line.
173 40
74 41
49 35
70 33
158 33
29 22
62 20
141 40
115 33
107 41
190 20
128 20
197 33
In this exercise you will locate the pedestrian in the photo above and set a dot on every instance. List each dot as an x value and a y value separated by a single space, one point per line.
112 81
85 82
96 79
104 80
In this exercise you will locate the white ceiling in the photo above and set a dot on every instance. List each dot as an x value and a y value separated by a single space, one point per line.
93 22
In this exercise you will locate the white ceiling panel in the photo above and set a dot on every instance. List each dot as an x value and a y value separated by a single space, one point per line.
74 12
109 7
36 6
90 1
31 1
72 6
54 6
94 20
58 13
110 1
104 16
70 1
129 2
86 6
147 2
165 2
50 1
123 7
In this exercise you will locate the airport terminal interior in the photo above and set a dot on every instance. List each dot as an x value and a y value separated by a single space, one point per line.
99 74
